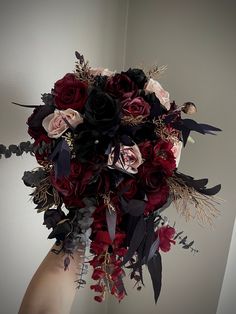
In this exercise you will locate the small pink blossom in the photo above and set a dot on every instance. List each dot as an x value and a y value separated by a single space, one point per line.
176 149
129 160
56 125
155 87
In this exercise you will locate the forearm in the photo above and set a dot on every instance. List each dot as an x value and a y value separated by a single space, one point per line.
52 289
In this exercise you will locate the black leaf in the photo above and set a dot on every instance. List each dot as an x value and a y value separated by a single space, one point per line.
150 237
211 191
138 235
66 263
111 223
136 207
193 125
61 159
155 270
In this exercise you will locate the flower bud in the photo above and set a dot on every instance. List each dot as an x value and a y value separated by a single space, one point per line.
189 108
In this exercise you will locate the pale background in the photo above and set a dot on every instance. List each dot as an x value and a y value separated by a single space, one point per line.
196 40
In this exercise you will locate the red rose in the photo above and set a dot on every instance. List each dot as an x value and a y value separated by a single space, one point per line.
119 84
157 198
151 176
155 186
165 234
70 93
135 107
146 149
163 156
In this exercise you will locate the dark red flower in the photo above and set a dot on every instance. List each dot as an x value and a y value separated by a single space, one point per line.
119 84
128 188
135 107
42 143
166 235
34 122
153 180
98 298
70 93
63 185
98 273
163 156
97 288
146 149
104 237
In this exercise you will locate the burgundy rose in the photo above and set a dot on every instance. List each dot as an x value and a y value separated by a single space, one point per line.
146 149
35 120
75 169
157 198
153 181
166 235
70 93
119 84
164 156
135 107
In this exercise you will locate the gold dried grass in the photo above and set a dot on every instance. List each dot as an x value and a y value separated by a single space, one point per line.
155 71
132 120
191 204
82 72
166 134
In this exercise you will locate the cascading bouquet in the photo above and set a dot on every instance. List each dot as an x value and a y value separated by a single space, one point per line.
108 146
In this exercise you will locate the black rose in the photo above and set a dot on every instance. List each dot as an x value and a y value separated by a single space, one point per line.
120 84
157 109
102 112
137 76
35 120
90 144
61 230
52 217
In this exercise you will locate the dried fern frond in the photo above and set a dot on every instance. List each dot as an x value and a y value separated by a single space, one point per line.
155 71
166 133
131 120
192 204
45 195
82 70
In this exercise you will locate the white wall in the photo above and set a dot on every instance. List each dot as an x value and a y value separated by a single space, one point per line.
38 40
226 303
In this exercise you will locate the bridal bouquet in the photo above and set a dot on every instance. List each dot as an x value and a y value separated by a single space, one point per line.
108 146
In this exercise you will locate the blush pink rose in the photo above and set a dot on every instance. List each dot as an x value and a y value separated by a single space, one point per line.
55 124
129 160
155 87
176 149
100 71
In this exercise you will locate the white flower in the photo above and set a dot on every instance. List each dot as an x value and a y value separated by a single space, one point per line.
56 125
155 87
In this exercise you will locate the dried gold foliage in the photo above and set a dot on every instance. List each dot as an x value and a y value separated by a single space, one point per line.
132 120
46 195
192 204
82 72
165 133
155 71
